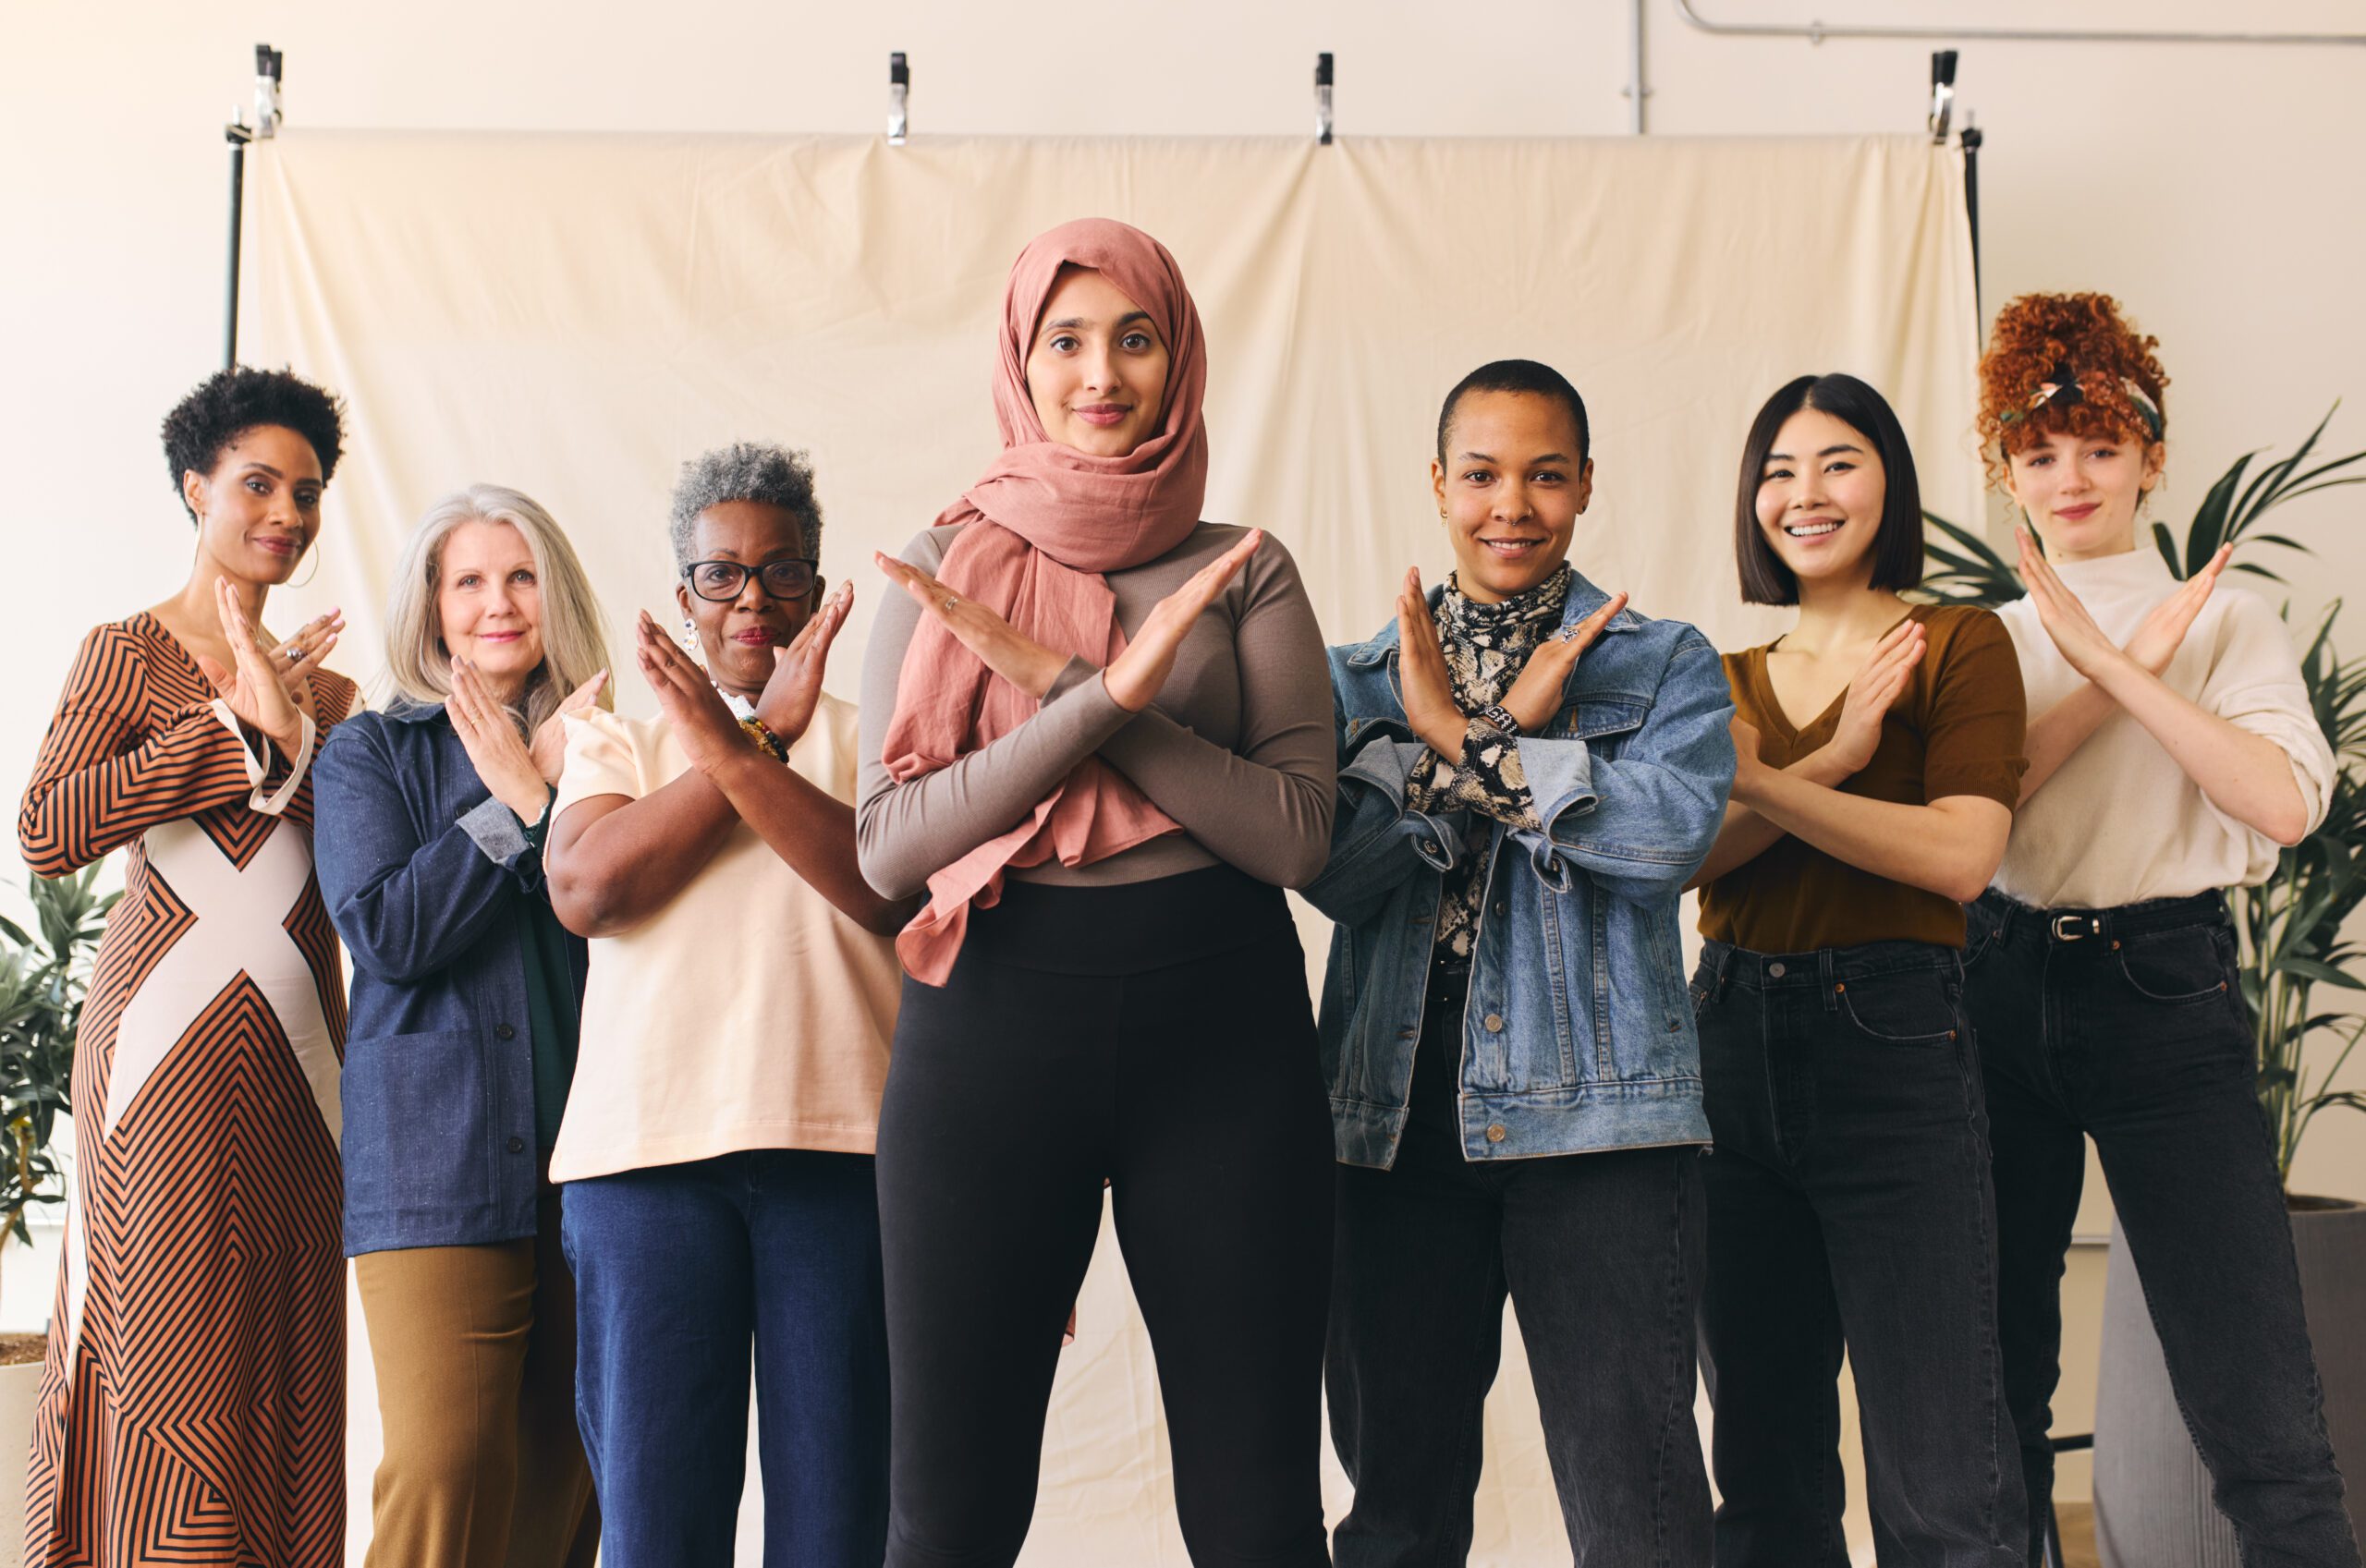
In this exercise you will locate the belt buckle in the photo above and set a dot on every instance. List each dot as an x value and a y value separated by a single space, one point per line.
2063 927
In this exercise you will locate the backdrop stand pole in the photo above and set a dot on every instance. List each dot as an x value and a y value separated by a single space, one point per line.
270 64
239 136
1970 141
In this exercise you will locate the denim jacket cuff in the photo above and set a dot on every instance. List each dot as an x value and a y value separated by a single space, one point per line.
496 829
1560 778
1384 765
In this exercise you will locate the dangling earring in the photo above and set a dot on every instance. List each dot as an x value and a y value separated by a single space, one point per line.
690 642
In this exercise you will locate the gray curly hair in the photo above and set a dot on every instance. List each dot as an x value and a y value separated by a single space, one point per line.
746 470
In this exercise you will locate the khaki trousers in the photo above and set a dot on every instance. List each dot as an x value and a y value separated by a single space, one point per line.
475 1354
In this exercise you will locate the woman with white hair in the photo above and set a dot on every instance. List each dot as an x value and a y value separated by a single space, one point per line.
466 997
717 1154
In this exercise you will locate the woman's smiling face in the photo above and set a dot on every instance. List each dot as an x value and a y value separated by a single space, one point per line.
1820 494
259 511
1510 490
2081 491
488 601
1097 369
739 634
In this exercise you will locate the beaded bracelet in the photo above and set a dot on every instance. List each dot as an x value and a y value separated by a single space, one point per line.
766 742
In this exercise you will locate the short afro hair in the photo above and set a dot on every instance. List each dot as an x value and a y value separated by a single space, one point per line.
1896 547
227 404
1518 375
2036 340
747 471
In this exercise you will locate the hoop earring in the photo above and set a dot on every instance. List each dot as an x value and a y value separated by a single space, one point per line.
315 553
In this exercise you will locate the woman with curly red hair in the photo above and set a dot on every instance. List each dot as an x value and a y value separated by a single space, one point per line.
2172 752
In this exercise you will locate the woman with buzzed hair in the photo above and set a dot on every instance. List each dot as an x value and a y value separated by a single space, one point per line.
716 1154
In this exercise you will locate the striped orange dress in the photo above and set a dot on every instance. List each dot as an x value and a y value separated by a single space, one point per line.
192 1409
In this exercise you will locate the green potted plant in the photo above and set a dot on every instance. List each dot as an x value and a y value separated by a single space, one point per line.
2290 936
44 974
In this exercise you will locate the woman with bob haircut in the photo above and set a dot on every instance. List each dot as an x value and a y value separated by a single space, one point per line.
2174 752
717 1149
1095 733
1516 1091
466 993
1880 758
193 1401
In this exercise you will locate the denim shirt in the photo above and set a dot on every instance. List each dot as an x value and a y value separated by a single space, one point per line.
1578 1031
427 879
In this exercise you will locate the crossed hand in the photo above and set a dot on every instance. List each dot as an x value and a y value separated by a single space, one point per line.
696 713
1133 677
2082 642
1534 698
519 774
269 688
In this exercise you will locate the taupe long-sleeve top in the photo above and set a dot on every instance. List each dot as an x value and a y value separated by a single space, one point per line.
1237 748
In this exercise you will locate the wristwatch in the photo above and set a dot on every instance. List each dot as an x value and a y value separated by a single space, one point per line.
1501 718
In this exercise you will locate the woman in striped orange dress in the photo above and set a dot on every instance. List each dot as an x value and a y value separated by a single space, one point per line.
193 1405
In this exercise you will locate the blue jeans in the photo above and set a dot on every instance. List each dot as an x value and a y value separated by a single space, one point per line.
678 1270
1850 1206
2126 1024
1601 1255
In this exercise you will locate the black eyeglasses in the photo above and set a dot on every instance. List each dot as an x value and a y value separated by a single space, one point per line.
722 580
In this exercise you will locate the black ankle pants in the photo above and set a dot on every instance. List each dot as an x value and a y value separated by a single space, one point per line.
1157 1035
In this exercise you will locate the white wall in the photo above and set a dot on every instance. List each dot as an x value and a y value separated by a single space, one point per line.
2215 189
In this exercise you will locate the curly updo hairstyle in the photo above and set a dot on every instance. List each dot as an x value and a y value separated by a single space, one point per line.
229 403
2040 339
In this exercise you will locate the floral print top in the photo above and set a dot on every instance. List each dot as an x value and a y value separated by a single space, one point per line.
1485 647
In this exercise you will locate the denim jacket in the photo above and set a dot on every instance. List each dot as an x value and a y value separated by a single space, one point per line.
1578 1031
427 879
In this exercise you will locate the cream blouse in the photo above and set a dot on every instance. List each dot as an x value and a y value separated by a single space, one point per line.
2120 822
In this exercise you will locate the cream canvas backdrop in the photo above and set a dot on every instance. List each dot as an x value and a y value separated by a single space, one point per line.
574 315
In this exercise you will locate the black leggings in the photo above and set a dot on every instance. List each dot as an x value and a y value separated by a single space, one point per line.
1157 1035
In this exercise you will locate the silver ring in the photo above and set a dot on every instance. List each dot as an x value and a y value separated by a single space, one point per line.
290 653
952 604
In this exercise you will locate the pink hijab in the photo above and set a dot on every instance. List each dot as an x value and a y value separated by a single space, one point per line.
1037 531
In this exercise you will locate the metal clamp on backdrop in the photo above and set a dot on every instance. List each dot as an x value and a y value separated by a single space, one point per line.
1943 94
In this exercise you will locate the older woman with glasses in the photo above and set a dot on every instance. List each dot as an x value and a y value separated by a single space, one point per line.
717 1150
466 991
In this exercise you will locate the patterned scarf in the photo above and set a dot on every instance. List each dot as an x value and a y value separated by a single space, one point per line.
1485 648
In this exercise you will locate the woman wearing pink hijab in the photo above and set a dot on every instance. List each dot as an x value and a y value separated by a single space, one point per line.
1096 732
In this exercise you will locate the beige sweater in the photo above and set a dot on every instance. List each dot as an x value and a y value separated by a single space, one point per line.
2120 822
749 1012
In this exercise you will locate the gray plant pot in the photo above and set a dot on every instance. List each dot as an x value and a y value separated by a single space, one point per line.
2153 1507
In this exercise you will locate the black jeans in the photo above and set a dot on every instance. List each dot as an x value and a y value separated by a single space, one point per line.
1601 1255
2127 1025
1848 1206
1157 1035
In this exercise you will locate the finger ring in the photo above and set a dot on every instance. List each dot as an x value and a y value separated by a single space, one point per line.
951 603
290 653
